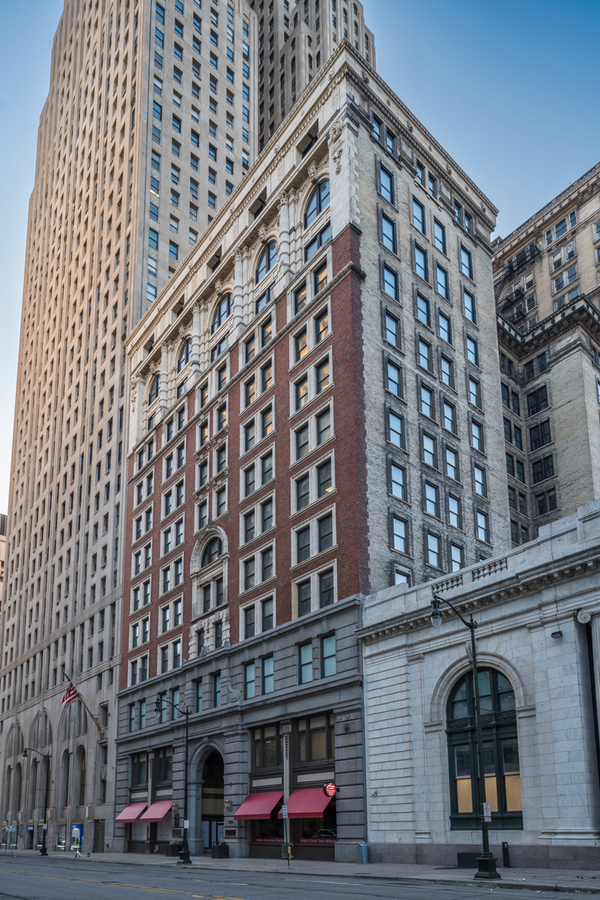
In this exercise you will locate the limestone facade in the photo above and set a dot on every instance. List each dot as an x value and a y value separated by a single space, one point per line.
537 618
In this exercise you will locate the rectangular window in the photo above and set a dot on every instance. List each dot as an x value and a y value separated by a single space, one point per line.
444 328
328 663
423 313
249 681
388 233
305 663
395 429
267 675
472 351
479 481
394 379
542 469
390 282
420 262
418 216
439 233
433 551
399 539
386 184
424 355
469 306
482 526
466 262
451 463
441 278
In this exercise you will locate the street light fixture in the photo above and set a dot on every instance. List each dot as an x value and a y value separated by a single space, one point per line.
47 757
486 862
184 853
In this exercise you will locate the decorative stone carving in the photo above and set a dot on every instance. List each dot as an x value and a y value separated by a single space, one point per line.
337 157
219 288
262 233
336 131
312 173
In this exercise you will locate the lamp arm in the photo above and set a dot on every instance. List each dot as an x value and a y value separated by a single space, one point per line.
472 624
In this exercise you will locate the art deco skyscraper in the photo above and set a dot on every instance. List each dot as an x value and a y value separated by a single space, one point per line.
146 129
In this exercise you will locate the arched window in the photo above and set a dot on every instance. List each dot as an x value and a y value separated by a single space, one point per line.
154 389
266 260
500 751
319 199
222 312
184 354
212 551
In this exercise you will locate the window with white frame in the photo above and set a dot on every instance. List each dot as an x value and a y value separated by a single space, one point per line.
138 670
257 617
140 595
139 632
260 472
311 383
317 535
258 568
257 429
312 433
142 523
170 616
311 485
314 591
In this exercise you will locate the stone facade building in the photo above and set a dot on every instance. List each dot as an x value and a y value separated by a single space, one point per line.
547 283
133 158
315 414
538 648
294 40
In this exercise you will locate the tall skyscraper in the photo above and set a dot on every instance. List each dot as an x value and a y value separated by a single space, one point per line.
147 127
294 40
547 277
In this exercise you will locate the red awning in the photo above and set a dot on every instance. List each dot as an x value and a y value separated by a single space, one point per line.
131 812
307 804
259 806
157 811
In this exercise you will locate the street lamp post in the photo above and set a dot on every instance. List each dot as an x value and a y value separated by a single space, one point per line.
486 862
184 853
47 757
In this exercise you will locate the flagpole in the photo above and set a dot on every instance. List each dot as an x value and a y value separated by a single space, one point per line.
89 712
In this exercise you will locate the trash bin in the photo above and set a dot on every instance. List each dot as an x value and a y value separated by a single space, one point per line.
219 851
363 852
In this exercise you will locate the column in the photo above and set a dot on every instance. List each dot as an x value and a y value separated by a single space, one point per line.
238 288
196 325
284 234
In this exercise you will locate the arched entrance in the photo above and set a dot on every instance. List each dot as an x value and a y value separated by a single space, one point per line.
212 800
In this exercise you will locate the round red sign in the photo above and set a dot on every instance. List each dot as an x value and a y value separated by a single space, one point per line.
330 789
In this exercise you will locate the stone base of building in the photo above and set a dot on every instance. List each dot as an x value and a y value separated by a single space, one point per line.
536 856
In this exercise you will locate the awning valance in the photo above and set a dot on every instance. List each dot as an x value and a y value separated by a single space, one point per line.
131 812
157 811
307 804
259 806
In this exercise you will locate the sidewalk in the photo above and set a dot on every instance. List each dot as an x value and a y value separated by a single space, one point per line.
572 881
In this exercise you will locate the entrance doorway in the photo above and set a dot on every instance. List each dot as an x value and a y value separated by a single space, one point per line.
212 800
98 836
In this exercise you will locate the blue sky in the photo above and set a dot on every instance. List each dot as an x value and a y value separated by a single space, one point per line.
510 90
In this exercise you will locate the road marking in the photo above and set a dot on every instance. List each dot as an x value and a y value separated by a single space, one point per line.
133 887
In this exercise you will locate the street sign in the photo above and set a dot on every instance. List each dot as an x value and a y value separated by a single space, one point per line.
487 812
186 823
329 789
284 814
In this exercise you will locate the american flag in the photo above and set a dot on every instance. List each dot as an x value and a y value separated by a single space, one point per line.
71 694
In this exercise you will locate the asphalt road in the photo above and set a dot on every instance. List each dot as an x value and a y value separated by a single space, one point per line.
48 879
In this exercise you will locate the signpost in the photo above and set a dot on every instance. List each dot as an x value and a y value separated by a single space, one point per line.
487 812
330 789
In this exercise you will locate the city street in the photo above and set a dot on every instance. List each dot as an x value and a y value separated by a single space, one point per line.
53 879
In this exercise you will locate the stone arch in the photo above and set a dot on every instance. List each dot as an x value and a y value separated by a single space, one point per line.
221 310
14 742
40 734
265 248
316 193
201 543
73 721
441 692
